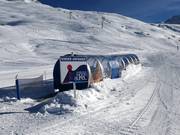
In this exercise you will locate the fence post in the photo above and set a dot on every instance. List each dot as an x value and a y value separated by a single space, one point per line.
70 15
102 22
17 88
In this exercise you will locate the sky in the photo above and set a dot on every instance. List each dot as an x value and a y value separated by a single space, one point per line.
146 10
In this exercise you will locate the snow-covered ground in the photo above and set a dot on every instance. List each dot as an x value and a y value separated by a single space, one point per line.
144 101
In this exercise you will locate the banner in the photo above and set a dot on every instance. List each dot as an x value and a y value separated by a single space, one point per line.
73 69
22 86
29 81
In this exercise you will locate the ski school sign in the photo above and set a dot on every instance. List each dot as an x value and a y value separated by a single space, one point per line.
73 69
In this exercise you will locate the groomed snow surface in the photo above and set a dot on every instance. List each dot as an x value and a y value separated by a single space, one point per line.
145 101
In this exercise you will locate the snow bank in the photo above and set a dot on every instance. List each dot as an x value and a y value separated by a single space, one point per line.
131 70
8 99
14 99
66 102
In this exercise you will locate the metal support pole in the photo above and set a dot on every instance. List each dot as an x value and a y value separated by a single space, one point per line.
17 89
74 88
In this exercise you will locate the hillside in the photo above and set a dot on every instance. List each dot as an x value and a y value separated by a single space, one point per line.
34 35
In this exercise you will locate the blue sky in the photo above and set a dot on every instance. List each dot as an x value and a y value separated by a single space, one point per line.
145 10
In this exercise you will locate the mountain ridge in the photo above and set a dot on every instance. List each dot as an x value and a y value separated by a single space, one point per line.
173 20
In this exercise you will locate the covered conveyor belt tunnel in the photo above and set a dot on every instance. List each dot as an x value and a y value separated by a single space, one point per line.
106 66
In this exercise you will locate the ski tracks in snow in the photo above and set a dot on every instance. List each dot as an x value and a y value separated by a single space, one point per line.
155 91
165 119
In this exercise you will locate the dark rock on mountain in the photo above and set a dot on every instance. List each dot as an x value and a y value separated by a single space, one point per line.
173 20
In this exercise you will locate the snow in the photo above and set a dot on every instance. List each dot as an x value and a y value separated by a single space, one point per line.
79 101
131 70
144 100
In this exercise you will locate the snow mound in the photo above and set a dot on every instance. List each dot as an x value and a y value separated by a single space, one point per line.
131 70
62 103
67 102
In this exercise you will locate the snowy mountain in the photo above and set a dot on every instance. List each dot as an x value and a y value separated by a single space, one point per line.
173 20
144 101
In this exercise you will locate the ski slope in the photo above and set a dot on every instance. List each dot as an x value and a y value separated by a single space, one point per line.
144 101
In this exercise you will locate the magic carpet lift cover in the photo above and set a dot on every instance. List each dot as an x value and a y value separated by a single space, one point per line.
101 66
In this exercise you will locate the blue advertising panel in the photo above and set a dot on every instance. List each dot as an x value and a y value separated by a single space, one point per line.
114 69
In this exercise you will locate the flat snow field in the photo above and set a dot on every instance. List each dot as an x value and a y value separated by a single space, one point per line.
145 101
